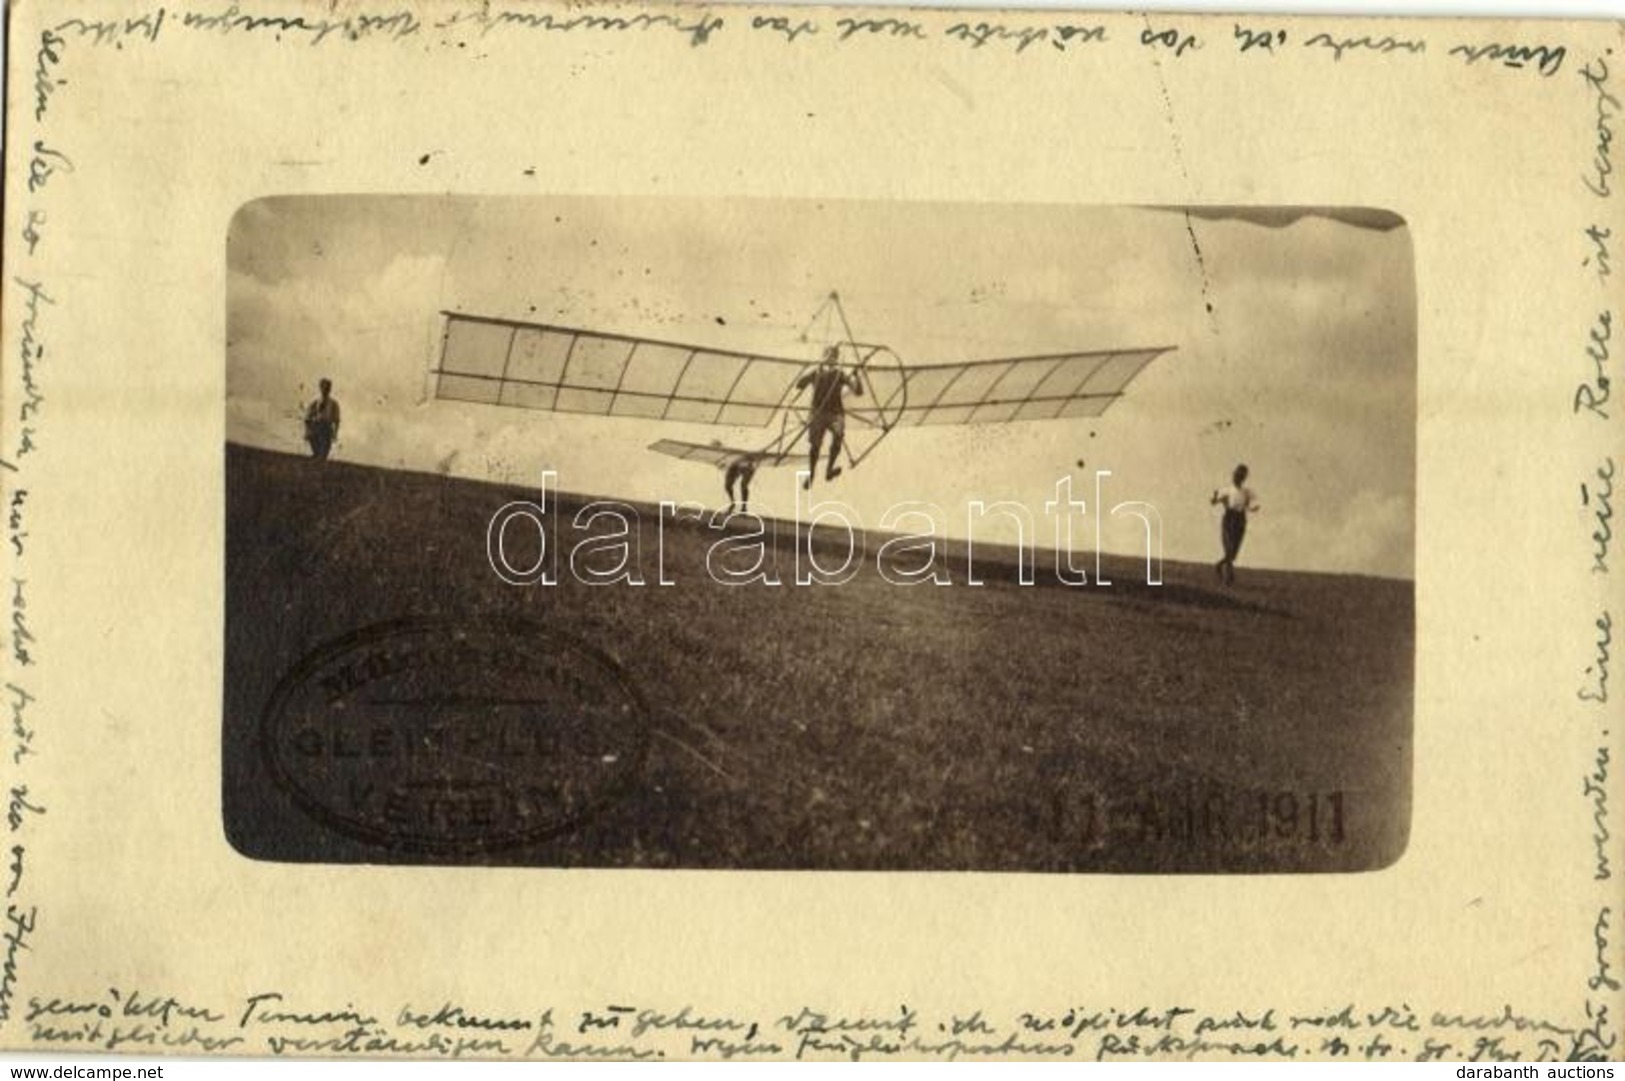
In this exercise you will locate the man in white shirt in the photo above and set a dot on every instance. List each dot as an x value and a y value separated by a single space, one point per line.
1238 502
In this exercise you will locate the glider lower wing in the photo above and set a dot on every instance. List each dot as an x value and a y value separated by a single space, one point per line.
715 453
1057 386
562 370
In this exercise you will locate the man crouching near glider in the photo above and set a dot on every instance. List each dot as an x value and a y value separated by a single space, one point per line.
828 411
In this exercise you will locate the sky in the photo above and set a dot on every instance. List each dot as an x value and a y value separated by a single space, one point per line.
1294 335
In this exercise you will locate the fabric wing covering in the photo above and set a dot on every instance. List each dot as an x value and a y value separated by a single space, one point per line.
713 454
555 369
1058 386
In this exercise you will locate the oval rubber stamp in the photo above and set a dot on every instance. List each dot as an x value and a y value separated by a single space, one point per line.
454 736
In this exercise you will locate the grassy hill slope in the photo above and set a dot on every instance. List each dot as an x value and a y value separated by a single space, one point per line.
1185 727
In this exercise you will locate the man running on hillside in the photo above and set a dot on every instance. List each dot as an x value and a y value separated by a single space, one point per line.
1238 502
828 412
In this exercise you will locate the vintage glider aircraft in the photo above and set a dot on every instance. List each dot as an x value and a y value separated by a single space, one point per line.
558 369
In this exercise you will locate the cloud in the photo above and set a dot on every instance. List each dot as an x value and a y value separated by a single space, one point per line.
1370 531
369 331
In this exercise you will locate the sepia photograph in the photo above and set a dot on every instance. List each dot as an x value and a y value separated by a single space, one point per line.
549 532
783 534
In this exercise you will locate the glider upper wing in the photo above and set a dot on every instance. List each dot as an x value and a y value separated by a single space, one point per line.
1056 386
563 370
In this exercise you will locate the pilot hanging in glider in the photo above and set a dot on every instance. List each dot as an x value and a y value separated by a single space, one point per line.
828 411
